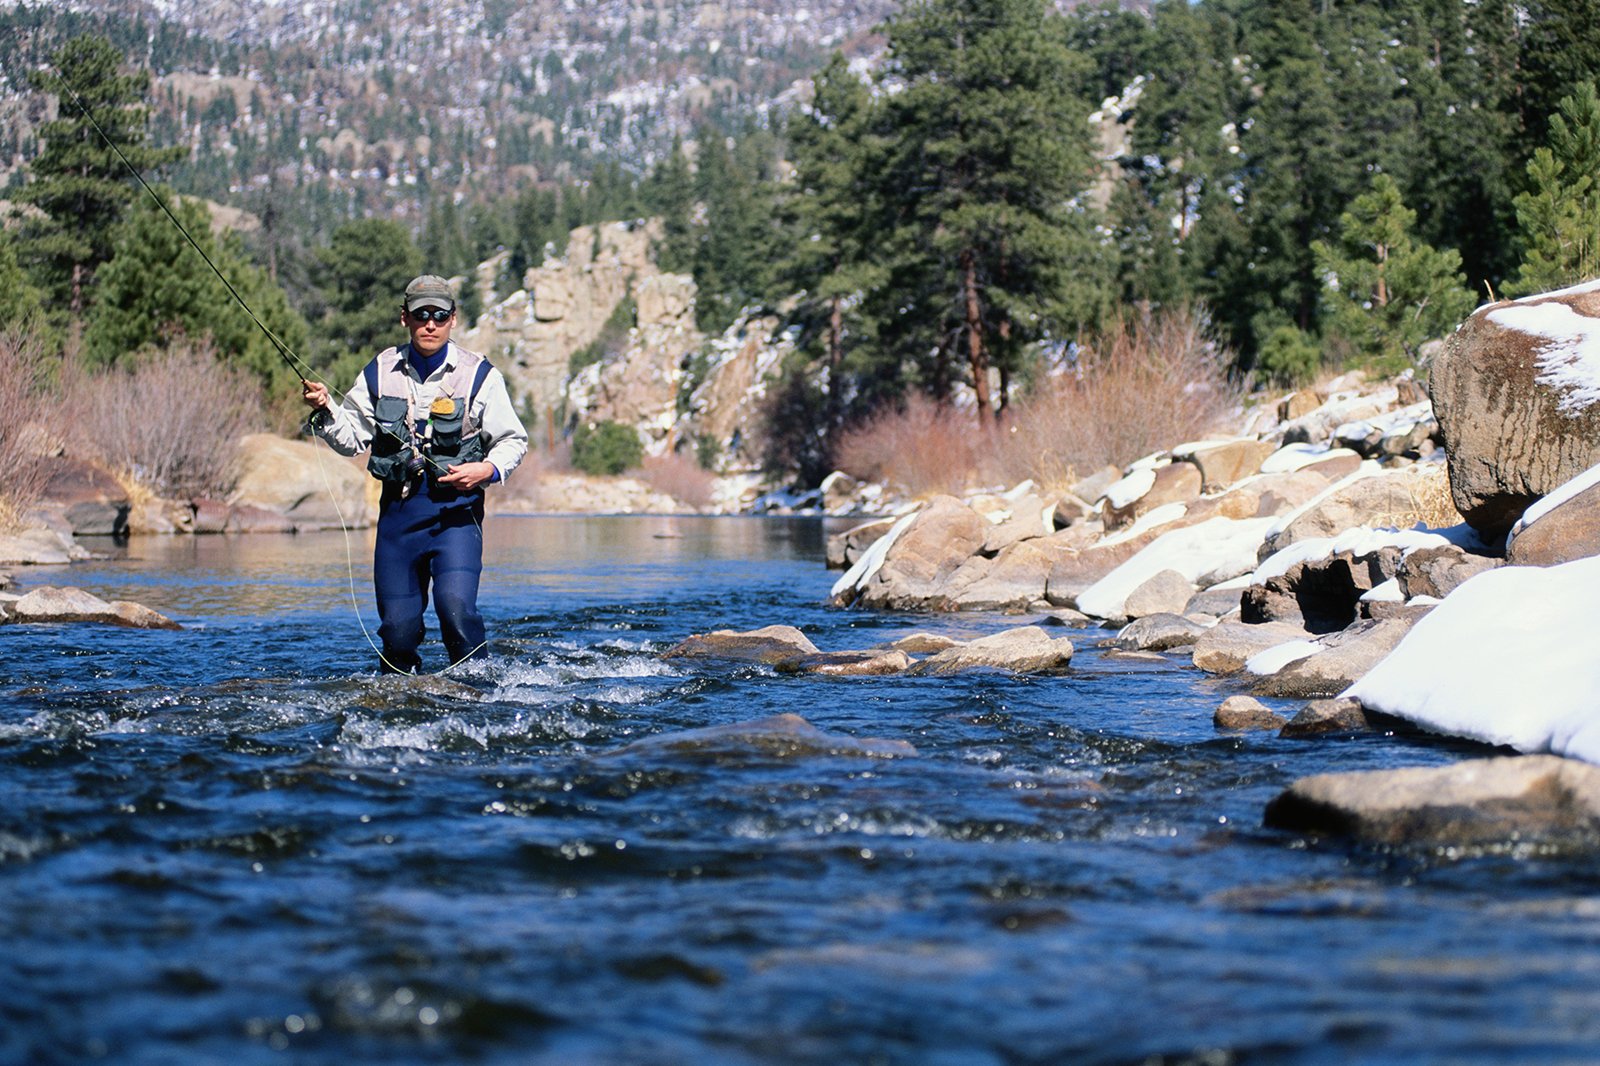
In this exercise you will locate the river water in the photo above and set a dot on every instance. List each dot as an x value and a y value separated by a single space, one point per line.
236 843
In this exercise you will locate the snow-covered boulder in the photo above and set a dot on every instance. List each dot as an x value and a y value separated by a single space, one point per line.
1503 659
1515 391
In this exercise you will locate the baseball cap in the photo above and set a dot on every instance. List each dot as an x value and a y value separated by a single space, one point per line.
429 290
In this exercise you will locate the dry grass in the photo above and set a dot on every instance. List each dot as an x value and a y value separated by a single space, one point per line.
23 365
1431 503
680 477
169 420
1145 383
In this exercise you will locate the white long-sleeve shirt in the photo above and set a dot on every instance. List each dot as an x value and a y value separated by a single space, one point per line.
348 428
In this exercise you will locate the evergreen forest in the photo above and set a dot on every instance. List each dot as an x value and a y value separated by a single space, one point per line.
1323 183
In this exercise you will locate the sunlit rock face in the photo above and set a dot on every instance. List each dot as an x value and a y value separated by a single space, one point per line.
1515 391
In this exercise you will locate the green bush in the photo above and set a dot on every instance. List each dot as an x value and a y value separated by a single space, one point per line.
1289 356
605 448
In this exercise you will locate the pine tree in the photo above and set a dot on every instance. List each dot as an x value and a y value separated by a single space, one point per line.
669 194
79 181
1389 293
987 147
364 272
1560 212
156 288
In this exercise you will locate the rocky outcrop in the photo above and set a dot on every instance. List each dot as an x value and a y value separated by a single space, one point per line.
563 306
1526 799
918 565
1516 403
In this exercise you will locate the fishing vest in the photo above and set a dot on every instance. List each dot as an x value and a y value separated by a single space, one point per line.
423 427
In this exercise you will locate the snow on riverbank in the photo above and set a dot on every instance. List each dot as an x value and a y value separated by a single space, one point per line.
1507 658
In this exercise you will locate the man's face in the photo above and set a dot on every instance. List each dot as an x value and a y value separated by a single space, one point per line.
427 334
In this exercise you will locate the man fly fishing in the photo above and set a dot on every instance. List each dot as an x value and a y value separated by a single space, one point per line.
440 424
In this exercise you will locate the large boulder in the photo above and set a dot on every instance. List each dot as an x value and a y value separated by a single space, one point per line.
1524 799
1437 572
1515 396
843 549
39 546
1144 491
1013 580
302 480
86 497
1322 594
919 564
1229 462
1371 497
1570 530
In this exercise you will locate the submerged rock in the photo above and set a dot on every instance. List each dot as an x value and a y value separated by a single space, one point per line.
1528 798
848 663
784 736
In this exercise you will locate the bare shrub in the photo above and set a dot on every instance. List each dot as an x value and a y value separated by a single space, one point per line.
923 447
1143 384
680 477
22 387
169 420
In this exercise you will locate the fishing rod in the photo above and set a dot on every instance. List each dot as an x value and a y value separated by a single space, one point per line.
290 359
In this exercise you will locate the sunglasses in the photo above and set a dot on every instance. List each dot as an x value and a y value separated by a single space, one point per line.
436 314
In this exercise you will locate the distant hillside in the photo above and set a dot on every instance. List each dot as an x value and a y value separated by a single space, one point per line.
360 105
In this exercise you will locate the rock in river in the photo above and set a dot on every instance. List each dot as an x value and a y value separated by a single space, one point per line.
781 735
1024 649
1523 798
51 604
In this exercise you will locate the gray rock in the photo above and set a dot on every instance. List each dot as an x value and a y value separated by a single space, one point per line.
1166 592
921 643
1522 799
784 736
1321 717
1440 571
848 663
1022 650
1568 531
1214 601
1158 632
1507 438
1345 659
1226 646
1246 712
769 644
40 547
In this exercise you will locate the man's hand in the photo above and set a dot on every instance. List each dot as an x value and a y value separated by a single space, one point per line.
315 395
464 477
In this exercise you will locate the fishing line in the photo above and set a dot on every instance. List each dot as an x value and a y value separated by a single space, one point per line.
294 362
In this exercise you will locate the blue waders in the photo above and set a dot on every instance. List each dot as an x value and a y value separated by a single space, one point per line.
433 535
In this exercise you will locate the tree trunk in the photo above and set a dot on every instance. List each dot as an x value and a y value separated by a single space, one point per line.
835 360
977 355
